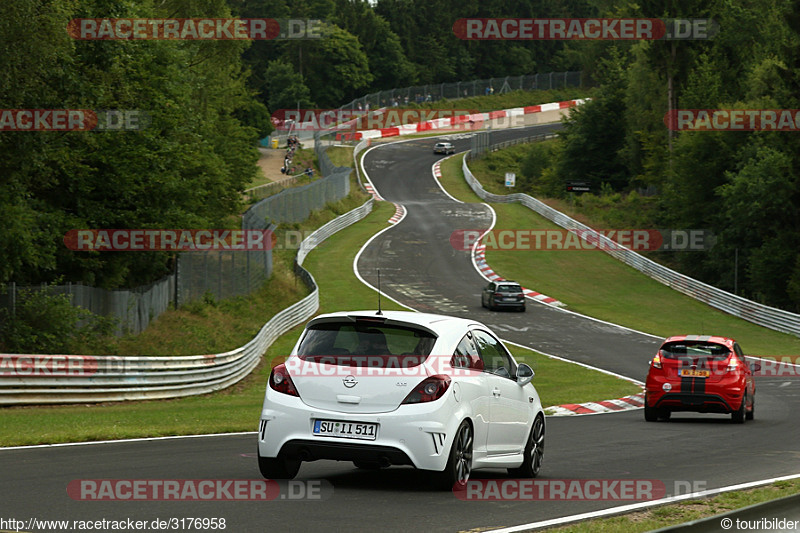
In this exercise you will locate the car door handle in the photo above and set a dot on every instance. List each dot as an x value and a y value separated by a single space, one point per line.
496 393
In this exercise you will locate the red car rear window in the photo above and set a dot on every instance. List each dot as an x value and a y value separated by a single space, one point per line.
710 350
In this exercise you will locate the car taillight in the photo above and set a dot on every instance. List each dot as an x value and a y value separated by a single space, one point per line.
428 390
498 295
734 365
280 381
657 360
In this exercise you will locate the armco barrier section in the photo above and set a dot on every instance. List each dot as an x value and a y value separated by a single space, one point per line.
760 314
116 378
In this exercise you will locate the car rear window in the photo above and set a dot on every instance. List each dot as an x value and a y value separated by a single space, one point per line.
509 288
711 350
345 343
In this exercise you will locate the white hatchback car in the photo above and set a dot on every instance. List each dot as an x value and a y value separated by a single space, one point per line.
371 388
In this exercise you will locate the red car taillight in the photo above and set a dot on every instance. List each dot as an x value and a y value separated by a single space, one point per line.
734 365
280 381
657 360
428 390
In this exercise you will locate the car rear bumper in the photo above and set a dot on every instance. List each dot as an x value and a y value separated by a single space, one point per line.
509 304
420 435
701 403
695 394
312 450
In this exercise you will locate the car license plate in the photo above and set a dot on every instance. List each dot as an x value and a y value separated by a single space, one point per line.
510 299
691 373
349 430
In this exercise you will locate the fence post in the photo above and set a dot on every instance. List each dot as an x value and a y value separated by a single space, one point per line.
219 276
177 275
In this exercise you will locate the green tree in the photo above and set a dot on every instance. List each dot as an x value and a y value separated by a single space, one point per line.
285 87
337 65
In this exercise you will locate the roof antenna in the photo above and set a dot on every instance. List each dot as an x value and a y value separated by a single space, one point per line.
379 292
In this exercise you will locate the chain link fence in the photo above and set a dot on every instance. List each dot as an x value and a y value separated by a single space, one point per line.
133 308
481 144
420 94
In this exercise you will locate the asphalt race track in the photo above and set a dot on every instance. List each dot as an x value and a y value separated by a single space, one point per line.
420 268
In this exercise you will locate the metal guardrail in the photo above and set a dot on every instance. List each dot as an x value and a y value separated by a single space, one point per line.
763 315
118 378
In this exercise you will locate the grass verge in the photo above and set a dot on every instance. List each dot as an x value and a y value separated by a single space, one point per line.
669 515
593 283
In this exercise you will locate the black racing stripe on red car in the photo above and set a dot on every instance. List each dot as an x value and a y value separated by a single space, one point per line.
699 385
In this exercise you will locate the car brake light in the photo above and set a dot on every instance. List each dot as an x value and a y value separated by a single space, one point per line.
734 365
280 381
657 361
429 390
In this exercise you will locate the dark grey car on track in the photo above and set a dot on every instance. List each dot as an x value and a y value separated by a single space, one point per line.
499 294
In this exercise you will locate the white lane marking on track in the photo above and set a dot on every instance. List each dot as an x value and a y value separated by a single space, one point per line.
139 439
641 505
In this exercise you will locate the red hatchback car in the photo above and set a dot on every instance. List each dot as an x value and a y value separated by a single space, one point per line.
700 373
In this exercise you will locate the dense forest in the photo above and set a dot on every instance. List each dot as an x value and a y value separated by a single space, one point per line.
741 185
209 101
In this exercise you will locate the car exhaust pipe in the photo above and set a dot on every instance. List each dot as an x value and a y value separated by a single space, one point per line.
305 455
384 462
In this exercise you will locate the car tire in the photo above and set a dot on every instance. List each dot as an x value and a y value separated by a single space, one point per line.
521 308
739 416
650 413
664 414
751 414
459 462
534 452
278 467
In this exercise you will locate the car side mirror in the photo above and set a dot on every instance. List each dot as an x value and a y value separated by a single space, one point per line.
524 374
755 367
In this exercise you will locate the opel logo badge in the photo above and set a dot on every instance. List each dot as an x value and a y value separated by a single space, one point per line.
350 382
